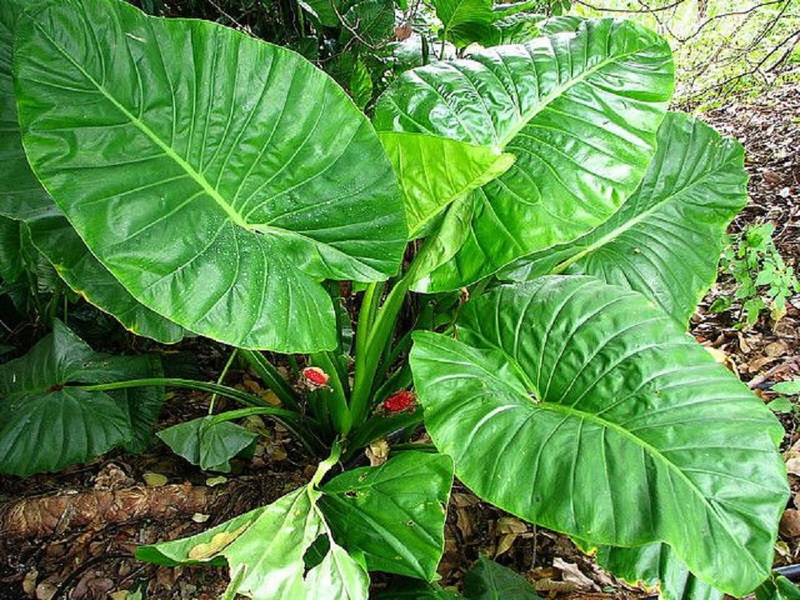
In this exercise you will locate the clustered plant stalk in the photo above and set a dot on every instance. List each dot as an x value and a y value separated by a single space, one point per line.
529 231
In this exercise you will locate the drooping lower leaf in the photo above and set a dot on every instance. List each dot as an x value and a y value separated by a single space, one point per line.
265 551
47 424
208 442
666 240
656 565
582 407
434 171
393 513
580 112
487 580
219 189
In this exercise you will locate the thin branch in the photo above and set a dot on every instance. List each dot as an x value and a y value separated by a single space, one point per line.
647 9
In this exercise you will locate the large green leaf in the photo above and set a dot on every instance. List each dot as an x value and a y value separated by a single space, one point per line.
393 513
46 424
265 550
22 197
656 565
580 111
434 171
666 240
584 408
218 178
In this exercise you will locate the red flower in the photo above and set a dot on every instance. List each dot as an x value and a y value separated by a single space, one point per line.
315 376
399 401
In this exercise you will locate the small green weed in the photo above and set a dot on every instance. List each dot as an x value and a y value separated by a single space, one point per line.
763 279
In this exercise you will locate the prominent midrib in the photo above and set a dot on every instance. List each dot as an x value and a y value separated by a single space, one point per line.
558 91
198 177
618 231
649 448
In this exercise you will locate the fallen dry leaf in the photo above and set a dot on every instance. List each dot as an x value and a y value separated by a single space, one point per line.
570 573
508 529
378 452
790 523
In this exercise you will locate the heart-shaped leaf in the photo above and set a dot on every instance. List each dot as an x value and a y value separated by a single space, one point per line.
434 171
666 240
393 513
219 189
208 442
582 407
47 424
580 112
265 552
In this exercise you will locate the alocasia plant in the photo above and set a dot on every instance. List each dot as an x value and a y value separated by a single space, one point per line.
225 186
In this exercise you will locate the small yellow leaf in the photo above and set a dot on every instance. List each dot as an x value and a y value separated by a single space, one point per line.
154 479
219 542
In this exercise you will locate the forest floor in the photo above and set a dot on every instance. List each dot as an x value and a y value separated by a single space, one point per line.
71 535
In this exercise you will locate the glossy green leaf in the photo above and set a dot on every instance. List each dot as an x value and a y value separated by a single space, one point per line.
46 424
460 18
218 178
656 565
584 408
22 197
434 171
579 111
264 549
666 240
208 442
777 588
393 513
487 580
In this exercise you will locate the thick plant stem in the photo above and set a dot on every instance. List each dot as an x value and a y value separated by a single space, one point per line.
377 338
327 464
271 377
292 420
